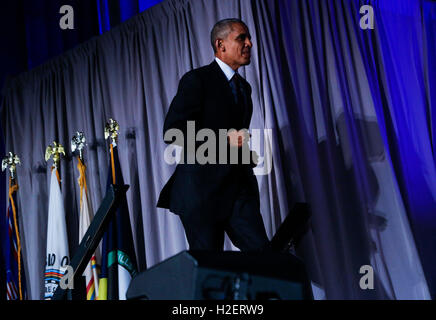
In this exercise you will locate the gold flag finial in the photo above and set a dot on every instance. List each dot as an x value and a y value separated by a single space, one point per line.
78 142
11 161
55 150
111 130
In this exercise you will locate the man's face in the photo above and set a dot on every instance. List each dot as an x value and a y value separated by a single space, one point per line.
237 47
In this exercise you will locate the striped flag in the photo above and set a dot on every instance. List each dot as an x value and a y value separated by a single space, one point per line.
15 277
86 215
57 258
118 264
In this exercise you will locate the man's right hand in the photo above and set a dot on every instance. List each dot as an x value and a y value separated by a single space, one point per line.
238 138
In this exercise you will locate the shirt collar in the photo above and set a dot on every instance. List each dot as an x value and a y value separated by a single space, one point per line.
228 71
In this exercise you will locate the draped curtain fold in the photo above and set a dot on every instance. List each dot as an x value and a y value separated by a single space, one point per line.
351 114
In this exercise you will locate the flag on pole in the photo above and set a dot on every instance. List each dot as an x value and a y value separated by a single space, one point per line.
15 276
118 264
86 215
57 258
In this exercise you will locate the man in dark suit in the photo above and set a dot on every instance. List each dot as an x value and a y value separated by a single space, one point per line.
219 196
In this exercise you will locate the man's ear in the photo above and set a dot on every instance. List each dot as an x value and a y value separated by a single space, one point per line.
219 45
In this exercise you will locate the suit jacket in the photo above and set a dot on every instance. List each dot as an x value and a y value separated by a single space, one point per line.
205 96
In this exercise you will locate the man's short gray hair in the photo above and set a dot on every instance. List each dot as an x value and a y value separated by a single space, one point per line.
221 30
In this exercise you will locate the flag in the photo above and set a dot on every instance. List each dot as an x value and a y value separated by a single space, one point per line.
86 215
57 258
118 265
13 259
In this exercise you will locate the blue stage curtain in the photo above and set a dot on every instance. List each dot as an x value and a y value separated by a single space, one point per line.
404 72
351 111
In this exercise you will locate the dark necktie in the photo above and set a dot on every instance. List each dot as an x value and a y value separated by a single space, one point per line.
239 96
237 89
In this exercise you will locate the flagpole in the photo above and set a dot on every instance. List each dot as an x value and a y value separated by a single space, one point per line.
112 130
57 240
56 151
13 187
78 143
119 264
11 162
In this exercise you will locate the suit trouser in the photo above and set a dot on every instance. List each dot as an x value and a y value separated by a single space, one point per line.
243 224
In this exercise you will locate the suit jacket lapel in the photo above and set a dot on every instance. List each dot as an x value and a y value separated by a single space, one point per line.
222 83
220 79
248 106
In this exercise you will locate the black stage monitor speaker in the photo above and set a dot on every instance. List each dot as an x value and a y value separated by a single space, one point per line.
292 229
228 275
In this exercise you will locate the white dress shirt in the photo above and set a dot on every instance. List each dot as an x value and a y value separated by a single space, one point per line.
228 71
